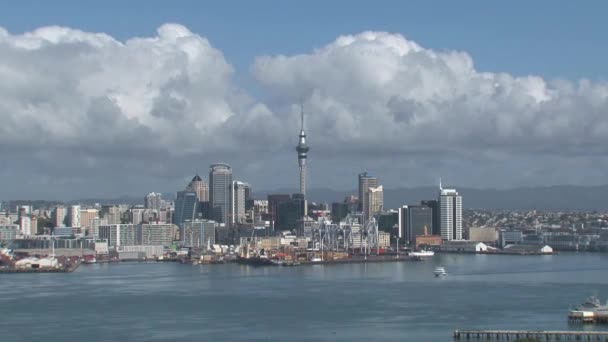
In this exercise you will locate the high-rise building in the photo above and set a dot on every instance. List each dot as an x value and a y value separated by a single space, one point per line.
185 207
403 221
450 207
199 233
365 182
59 216
200 187
420 222
239 197
74 216
95 224
121 234
153 201
220 182
375 201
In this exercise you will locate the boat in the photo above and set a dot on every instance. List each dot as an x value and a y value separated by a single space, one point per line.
440 272
422 253
256 261
316 259
591 311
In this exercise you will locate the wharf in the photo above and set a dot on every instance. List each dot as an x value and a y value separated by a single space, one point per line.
513 335
359 260
64 269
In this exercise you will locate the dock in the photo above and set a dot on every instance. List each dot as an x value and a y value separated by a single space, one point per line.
514 335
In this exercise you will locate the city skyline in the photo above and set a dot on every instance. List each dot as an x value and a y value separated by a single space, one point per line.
406 107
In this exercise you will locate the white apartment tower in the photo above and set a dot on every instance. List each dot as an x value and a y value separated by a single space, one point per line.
450 216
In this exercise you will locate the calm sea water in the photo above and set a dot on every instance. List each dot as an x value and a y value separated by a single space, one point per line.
357 302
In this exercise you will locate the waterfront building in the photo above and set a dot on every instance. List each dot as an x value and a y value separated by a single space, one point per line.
74 216
450 206
59 216
185 207
487 235
8 232
121 234
158 234
420 222
220 181
153 201
63 232
434 204
240 191
384 239
199 233
463 246
365 183
509 237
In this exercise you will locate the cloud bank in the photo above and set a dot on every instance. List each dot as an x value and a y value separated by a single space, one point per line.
82 114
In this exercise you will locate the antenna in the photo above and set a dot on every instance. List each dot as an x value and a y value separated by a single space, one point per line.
302 116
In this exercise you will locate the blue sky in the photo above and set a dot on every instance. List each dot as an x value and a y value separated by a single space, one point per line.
554 39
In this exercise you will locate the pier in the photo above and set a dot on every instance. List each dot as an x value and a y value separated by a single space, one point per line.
514 335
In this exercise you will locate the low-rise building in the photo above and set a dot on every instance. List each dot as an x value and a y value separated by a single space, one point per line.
483 234
464 246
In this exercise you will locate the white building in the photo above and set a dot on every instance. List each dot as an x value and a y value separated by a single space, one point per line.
121 234
60 215
157 234
25 225
450 213
375 201
239 198
74 215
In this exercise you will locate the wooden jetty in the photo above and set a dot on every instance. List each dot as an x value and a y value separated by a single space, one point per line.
514 335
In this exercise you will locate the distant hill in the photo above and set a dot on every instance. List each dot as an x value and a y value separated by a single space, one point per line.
561 197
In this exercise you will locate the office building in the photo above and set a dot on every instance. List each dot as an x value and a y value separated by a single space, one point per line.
25 225
153 201
200 187
95 224
185 207
450 206
220 182
420 222
365 183
137 215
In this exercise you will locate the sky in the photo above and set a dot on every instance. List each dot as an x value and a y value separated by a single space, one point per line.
126 97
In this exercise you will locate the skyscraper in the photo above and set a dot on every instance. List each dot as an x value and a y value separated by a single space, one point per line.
365 182
220 181
450 207
185 207
59 216
153 201
239 196
74 215
200 187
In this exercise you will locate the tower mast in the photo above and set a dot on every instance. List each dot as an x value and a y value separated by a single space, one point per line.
302 150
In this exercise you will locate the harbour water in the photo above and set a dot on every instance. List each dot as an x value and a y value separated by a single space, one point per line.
397 301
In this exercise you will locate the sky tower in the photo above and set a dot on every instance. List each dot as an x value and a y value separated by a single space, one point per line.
302 149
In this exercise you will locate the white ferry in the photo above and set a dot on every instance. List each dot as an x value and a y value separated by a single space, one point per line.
440 272
422 253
